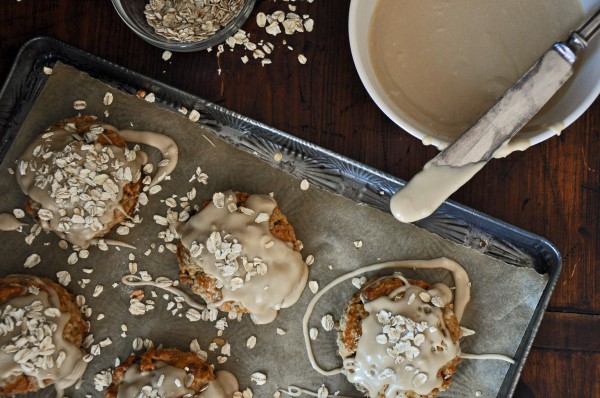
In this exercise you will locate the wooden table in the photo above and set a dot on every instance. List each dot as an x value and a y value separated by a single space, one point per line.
552 189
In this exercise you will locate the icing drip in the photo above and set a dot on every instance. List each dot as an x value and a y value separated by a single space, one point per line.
134 280
255 269
167 147
8 222
294 391
32 342
497 357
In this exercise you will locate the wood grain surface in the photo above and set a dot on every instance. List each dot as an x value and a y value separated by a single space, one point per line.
552 189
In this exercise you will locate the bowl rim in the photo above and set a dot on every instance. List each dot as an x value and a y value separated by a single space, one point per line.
372 85
217 38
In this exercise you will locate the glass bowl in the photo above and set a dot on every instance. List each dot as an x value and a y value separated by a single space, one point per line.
132 13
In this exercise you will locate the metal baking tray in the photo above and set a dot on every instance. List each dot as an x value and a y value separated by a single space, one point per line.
327 169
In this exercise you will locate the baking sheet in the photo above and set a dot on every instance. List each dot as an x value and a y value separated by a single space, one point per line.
504 297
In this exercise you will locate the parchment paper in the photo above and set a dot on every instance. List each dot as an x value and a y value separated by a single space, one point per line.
503 297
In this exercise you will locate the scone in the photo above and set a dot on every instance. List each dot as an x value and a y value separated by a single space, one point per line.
82 179
169 373
240 254
399 338
41 331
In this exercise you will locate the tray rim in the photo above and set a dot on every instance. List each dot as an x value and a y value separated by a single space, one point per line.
15 103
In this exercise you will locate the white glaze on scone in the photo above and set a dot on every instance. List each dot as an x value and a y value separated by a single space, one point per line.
78 183
253 267
32 341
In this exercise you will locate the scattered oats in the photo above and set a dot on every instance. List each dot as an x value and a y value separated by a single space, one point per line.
323 392
261 19
64 278
98 290
32 261
19 213
269 244
419 379
10 171
309 24
302 59
359 282
411 299
265 61
170 202
194 116
193 315
327 322
79 105
262 217
314 333
219 200
123 230
259 378
244 59
437 301
183 110
304 185
143 199
150 97
381 339
247 393
105 343
251 342
278 156
154 190
160 220
84 253
167 55
280 331
310 259
47 70
124 327
246 211
313 286
358 244
466 332
108 99
478 393
95 350
138 344
425 297
221 359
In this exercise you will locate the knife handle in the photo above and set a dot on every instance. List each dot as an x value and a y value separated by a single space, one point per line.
579 39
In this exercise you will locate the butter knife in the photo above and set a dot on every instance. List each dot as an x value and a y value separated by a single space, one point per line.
458 163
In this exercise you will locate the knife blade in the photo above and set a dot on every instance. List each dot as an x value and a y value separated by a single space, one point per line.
458 163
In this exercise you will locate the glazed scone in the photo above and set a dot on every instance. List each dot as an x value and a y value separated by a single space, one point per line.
82 179
41 331
410 333
169 373
240 254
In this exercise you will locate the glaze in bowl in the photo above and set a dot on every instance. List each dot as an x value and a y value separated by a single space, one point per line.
580 93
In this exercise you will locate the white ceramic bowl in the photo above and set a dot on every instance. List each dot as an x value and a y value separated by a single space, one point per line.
583 89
